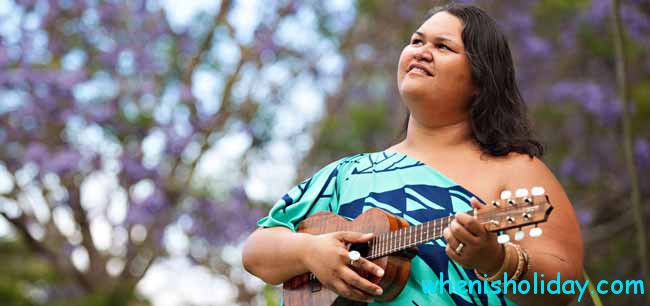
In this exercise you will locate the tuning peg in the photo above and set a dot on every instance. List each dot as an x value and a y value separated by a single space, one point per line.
495 203
519 235
502 239
537 191
506 194
535 232
521 192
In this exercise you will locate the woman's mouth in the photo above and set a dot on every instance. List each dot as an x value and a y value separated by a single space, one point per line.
417 68
419 71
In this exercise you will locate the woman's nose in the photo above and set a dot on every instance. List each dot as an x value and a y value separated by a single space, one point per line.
423 54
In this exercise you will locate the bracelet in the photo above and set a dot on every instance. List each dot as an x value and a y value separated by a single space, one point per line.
526 265
505 265
521 262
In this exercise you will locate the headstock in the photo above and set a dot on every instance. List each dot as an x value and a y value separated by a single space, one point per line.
524 209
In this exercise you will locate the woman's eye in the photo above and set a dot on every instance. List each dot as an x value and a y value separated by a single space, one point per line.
443 46
416 41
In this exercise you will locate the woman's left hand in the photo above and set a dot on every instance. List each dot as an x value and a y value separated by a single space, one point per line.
480 248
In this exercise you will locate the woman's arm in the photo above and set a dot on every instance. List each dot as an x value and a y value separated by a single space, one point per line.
560 248
275 254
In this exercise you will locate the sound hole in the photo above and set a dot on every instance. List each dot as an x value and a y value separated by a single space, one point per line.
362 248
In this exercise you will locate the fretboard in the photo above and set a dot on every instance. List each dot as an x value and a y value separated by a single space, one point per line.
390 242
505 214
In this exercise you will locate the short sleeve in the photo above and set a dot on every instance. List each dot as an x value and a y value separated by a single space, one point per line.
314 194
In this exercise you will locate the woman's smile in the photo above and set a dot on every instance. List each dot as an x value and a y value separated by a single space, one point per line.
419 71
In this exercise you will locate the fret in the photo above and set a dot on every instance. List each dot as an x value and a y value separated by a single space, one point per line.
378 244
434 228
427 231
410 233
391 242
397 241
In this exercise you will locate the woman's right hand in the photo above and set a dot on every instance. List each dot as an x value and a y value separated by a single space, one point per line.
326 256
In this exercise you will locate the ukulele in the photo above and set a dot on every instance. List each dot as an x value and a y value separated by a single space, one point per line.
394 243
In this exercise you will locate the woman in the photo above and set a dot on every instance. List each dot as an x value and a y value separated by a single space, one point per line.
467 137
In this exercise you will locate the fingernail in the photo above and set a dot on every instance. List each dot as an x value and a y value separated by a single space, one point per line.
379 291
380 272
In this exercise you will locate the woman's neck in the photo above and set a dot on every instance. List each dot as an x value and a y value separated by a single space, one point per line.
449 136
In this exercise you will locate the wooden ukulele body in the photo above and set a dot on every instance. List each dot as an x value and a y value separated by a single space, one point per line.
307 290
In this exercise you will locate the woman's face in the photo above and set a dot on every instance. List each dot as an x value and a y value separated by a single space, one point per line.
434 76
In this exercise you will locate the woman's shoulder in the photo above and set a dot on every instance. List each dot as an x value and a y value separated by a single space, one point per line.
520 169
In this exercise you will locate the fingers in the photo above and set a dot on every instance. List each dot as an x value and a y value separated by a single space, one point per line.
475 203
452 242
368 266
467 223
354 237
462 234
350 292
352 278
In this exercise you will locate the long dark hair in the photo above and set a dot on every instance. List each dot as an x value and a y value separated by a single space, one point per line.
498 114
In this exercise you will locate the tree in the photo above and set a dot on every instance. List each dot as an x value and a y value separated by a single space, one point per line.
111 116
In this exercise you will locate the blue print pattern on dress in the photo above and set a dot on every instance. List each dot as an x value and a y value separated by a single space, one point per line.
417 204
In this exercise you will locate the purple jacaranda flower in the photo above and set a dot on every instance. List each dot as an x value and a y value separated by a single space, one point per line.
138 215
264 39
4 57
637 23
642 152
134 169
103 112
586 174
26 3
568 167
37 153
595 98
63 161
536 46
599 10
585 217
227 221
175 143
568 37
407 12
518 21
185 92
144 211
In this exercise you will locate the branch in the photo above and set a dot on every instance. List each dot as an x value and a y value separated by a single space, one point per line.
96 260
37 247
206 44
621 82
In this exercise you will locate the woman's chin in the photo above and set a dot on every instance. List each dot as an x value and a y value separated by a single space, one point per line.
409 90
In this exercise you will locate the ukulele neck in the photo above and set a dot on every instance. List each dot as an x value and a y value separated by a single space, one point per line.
501 215
391 242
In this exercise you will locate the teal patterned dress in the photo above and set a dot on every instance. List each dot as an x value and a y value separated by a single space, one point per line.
402 186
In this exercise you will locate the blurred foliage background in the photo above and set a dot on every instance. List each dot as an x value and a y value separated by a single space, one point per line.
141 140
